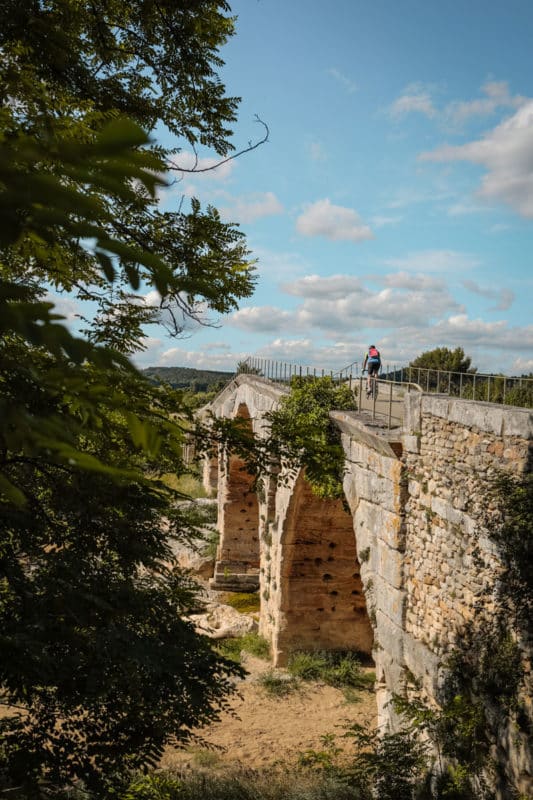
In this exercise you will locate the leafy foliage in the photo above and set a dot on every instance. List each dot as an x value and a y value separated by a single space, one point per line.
303 434
250 642
336 668
442 358
98 668
391 766
514 538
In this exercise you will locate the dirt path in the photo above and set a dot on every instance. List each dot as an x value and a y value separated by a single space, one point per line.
265 729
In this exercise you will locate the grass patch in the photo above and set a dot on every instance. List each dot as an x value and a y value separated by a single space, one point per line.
281 784
230 648
206 759
188 484
245 602
340 669
251 643
277 683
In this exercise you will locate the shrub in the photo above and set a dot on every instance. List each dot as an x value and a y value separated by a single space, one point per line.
339 669
278 683
250 643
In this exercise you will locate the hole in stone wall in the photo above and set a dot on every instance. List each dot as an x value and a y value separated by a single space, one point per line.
326 577
318 561
332 544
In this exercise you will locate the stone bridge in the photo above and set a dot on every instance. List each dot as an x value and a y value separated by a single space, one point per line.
391 572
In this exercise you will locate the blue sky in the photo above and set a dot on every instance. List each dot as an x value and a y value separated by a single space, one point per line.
393 203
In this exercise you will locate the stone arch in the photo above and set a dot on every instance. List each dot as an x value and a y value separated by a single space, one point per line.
237 562
322 605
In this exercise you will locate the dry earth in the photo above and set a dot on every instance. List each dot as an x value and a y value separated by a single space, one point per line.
265 729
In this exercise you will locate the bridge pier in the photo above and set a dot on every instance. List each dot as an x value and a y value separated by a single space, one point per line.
237 560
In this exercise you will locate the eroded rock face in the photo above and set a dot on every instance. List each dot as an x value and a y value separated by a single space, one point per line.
193 558
220 621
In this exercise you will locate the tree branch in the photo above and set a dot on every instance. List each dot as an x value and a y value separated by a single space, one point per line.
177 168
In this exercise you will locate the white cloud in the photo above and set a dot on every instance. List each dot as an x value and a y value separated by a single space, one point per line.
405 280
340 304
416 99
504 297
496 96
522 366
152 298
179 357
435 261
260 319
460 330
331 287
279 266
344 81
506 152
334 222
250 207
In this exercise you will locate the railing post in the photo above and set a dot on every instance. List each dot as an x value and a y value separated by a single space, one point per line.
390 405
488 389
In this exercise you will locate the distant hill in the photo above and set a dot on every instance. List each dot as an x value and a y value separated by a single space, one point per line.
196 380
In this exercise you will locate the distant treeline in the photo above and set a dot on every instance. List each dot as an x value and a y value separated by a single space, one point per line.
195 380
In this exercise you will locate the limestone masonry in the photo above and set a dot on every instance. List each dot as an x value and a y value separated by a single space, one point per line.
401 572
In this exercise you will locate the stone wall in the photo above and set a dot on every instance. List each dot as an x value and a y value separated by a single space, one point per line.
411 564
453 451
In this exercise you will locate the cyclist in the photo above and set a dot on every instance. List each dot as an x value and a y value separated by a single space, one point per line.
373 360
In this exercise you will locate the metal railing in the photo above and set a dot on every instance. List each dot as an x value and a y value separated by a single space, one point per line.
387 403
510 390
282 372
386 407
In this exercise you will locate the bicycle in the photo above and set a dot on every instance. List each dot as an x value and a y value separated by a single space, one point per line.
372 387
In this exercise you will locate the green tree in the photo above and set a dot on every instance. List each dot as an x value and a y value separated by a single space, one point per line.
442 358
98 668
303 434
442 370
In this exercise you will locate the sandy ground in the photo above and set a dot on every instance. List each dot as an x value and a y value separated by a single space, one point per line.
265 729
